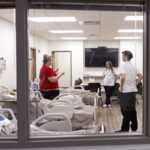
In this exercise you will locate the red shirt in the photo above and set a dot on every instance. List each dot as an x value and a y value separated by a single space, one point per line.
45 84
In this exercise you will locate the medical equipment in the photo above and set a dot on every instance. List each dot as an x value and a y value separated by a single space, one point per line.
2 64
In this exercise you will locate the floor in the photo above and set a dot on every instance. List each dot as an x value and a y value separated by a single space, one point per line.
112 118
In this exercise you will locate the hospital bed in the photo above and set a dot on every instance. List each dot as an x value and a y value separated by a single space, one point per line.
67 110
66 114
88 97
58 124
81 114
8 122
46 125
72 106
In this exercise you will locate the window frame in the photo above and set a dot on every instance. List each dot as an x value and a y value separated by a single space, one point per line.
22 53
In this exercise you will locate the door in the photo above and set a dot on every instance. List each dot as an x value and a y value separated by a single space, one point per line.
32 64
62 61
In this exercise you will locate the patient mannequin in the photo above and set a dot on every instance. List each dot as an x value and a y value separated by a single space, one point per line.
77 83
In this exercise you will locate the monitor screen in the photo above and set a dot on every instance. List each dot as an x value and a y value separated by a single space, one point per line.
97 57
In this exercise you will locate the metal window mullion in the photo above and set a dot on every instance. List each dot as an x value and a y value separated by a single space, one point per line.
22 71
22 87
88 1
86 7
146 67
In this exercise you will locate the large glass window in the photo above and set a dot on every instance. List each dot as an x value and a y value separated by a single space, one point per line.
8 83
73 47
74 76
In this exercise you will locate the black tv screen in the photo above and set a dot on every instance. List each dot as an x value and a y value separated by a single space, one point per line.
97 57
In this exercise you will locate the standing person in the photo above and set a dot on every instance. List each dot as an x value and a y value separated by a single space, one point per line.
128 88
49 79
109 81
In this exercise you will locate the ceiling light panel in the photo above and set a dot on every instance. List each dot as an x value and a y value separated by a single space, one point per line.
65 31
134 18
52 19
73 38
130 30
127 38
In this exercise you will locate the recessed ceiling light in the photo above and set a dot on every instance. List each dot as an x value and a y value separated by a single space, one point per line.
65 31
81 22
53 19
134 18
73 38
127 38
130 30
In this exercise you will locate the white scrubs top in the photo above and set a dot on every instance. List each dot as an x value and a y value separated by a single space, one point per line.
131 73
109 77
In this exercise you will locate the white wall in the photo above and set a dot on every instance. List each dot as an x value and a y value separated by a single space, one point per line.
136 47
77 48
46 47
8 51
42 47
77 55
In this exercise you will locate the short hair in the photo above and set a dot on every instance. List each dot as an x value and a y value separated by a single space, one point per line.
128 54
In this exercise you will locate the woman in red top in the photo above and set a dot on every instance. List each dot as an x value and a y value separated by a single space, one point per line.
49 79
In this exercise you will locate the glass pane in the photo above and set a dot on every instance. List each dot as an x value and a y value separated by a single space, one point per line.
8 89
74 88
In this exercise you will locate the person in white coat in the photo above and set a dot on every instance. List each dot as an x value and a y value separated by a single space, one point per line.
108 82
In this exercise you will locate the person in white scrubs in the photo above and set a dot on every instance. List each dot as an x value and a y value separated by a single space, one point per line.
128 88
108 82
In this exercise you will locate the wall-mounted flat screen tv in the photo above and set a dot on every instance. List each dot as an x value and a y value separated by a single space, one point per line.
97 57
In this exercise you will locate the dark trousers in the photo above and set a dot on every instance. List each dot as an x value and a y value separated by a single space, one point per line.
108 91
128 110
49 94
129 116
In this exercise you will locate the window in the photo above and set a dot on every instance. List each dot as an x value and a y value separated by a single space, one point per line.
87 35
25 65
8 82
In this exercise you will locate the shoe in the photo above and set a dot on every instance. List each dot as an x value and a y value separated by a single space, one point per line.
121 131
133 130
104 105
109 105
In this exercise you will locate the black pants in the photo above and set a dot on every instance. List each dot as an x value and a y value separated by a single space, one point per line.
108 91
49 94
128 110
